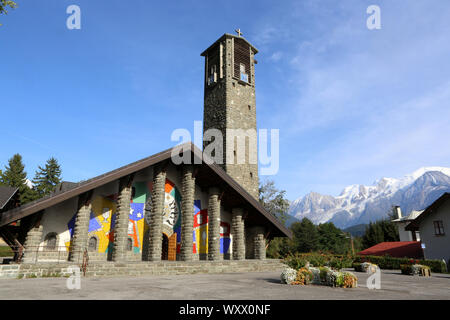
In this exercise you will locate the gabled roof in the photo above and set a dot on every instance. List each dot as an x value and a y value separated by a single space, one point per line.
229 35
208 175
414 225
413 215
6 193
397 249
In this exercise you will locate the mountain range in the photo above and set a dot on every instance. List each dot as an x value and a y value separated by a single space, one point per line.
360 204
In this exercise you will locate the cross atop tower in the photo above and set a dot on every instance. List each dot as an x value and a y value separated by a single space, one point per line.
238 31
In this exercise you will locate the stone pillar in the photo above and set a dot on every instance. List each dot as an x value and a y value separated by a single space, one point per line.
81 228
187 212
122 219
237 231
259 243
214 225
156 215
31 245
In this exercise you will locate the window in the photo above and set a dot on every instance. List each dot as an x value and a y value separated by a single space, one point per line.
212 75
129 244
92 244
438 228
50 241
244 76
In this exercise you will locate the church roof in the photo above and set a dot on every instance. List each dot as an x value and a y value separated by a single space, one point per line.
208 175
228 35
6 193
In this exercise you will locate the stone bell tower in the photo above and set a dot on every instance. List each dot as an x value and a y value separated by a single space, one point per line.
229 103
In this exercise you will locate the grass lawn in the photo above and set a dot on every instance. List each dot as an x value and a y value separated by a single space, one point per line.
5 251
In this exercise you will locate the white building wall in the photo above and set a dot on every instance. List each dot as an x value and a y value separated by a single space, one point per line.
436 247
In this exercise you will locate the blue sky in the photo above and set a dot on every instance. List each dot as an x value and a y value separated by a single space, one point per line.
352 105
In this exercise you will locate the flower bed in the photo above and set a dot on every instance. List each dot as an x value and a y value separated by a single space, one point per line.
416 269
365 266
319 276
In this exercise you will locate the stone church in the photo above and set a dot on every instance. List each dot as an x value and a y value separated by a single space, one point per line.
154 209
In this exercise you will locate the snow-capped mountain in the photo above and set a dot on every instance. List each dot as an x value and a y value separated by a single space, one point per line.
358 204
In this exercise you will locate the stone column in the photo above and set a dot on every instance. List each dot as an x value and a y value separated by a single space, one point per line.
214 224
81 228
259 243
187 212
31 245
237 231
156 215
122 219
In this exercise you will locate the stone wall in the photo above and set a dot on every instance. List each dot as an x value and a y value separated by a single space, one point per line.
112 269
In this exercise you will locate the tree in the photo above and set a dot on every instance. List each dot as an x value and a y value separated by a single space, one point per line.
333 239
274 200
306 236
46 179
4 4
15 176
380 231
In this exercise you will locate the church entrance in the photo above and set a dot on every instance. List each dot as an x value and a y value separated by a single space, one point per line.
169 247
165 247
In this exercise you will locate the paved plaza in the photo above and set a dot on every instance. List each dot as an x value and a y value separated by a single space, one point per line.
240 286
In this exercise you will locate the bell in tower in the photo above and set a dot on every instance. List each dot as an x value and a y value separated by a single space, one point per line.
230 106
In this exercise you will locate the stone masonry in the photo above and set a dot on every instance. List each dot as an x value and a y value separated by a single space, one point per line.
237 232
80 233
156 215
214 224
32 242
230 103
187 212
259 243
112 269
122 216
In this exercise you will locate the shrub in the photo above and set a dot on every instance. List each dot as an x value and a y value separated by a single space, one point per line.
304 277
295 261
357 266
387 262
350 280
323 274
415 269
406 268
288 276
316 275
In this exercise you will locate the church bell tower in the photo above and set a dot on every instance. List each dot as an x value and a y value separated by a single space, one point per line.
229 103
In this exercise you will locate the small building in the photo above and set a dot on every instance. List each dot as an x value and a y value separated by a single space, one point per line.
403 221
433 224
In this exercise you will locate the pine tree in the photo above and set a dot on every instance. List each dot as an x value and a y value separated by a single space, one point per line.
46 179
306 236
15 176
